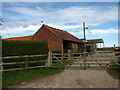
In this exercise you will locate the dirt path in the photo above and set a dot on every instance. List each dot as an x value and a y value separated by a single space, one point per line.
91 78
75 79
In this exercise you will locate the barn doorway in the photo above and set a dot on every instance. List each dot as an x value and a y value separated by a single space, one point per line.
67 46
88 49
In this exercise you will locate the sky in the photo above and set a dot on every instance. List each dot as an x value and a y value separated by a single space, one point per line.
24 18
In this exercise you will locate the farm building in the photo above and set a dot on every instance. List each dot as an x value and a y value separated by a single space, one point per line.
57 39
91 45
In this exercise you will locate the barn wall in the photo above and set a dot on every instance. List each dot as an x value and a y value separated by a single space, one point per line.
75 47
54 42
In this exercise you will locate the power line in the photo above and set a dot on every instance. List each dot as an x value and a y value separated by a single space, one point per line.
4 26
0 25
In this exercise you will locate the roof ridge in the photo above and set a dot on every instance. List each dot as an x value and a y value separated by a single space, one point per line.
73 35
18 37
53 30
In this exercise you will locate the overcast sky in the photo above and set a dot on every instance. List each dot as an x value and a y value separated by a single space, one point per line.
22 19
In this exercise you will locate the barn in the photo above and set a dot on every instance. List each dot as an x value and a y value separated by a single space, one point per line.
58 40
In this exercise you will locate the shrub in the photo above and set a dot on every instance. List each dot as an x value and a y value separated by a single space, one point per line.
15 48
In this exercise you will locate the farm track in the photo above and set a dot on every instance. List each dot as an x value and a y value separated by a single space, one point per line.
74 78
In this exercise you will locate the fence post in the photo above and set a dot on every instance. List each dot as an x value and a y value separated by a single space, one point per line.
49 61
27 62
69 54
85 60
1 67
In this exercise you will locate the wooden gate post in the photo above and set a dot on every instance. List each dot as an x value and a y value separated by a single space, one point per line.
84 46
49 61
69 54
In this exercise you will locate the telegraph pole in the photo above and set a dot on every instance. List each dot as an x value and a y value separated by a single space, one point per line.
84 45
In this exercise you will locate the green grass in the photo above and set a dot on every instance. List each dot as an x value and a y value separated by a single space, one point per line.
105 49
114 70
17 77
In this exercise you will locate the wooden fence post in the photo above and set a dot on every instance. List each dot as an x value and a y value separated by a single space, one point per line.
69 54
49 61
1 67
27 62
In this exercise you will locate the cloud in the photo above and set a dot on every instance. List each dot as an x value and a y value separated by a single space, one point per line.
88 14
96 32
11 24
16 24
100 31
61 1
93 16
26 20
28 11
21 24
31 29
66 27
37 22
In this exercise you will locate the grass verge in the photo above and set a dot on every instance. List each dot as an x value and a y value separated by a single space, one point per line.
114 70
16 77
105 49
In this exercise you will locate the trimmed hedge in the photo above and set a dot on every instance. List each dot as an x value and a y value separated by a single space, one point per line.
16 48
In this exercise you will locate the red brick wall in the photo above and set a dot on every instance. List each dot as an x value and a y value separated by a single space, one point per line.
75 47
54 42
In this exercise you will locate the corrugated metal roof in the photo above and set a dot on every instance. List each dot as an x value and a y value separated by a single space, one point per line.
95 41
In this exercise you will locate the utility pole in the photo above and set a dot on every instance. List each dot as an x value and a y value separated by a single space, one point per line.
84 45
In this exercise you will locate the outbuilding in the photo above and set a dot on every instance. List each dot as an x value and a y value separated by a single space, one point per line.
58 40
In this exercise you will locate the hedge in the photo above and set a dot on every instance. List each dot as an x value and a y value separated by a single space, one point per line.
16 48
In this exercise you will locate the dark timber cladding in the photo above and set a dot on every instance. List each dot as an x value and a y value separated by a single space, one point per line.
58 39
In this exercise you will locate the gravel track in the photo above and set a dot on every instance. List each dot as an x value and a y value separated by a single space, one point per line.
91 78
74 79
